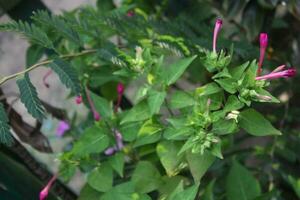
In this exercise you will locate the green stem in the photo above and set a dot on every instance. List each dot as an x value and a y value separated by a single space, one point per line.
6 78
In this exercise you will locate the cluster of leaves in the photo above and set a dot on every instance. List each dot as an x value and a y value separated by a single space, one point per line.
172 136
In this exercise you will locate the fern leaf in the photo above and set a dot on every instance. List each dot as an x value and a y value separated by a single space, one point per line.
110 57
5 135
29 98
30 31
66 74
58 24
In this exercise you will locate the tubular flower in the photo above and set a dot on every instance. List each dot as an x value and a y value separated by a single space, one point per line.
62 127
49 72
78 99
119 144
263 40
279 73
96 115
120 90
44 193
218 26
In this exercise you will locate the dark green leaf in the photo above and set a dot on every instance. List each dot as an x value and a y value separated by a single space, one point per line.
29 98
101 178
181 99
255 123
33 54
139 112
102 105
117 162
5 135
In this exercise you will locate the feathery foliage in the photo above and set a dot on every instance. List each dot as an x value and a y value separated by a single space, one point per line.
5 135
29 98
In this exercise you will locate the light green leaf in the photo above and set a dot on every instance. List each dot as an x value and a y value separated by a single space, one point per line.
155 100
228 84
87 192
67 74
117 162
93 140
168 154
188 194
208 89
5 135
101 178
199 164
240 184
237 72
149 133
181 99
172 73
255 123
139 112
146 177
102 106
233 103
29 98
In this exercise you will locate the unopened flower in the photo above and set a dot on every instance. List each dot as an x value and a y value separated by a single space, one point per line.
263 40
62 127
130 13
218 26
119 144
279 74
110 151
120 91
45 191
96 115
78 99
49 72
233 115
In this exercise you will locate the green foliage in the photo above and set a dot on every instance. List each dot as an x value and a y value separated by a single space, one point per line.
29 98
5 135
67 74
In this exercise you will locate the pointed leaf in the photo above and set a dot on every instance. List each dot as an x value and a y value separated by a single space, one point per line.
155 100
5 135
29 98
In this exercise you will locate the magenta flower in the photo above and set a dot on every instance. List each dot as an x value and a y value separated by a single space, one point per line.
279 73
119 144
78 99
120 90
62 127
49 72
44 193
218 26
130 13
96 115
263 40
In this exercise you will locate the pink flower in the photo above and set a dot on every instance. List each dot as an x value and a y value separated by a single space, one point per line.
120 90
218 26
49 72
119 144
263 40
44 193
130 13
78 99
278 73
96 115
62 127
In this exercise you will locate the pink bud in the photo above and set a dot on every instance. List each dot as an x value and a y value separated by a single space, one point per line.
281 74
120 88
278 69
49 72
97 116
119 140
78 99
218 26
263 41
44 193
109 151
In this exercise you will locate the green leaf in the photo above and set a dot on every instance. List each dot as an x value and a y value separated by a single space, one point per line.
169 184
149 133
181 99
168 154
130 130
29 98
33 54
224 126
240 184
199 164
233 103
237 72
172 73
117 162
208 89
228 84
139 112
67 74
93 140
209 191
30 31
155 100
101 178
102 105
255 123
105 5
146 177
5 134
87 192
188 194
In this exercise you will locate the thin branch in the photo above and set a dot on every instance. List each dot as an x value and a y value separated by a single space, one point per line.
3 80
